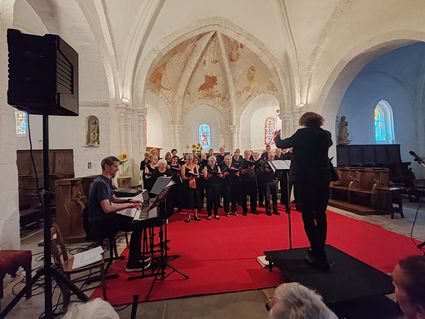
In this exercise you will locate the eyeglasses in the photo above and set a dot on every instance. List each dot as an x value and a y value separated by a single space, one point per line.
268 305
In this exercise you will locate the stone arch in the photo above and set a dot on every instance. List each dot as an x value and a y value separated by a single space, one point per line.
352 62
225 27
355 60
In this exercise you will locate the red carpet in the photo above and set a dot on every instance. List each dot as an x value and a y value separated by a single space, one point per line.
220 255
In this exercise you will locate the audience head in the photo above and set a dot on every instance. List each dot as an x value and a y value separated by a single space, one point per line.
278 152
311 119
210 152
237 153
162 164
168 156
409 283
222 150
154 152
294 301
110 166
174 151
95 309
270 155
196 160
189 157
147 156
256 155
268 147
204 156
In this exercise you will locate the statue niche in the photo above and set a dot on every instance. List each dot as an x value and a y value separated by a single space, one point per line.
343 132
92 136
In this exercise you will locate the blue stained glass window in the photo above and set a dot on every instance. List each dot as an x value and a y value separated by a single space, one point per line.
384 123
205 136
21 123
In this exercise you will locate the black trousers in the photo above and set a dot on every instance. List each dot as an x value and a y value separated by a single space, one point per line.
213 190
271 195
261 191
313 200
113 223
249 188
230 196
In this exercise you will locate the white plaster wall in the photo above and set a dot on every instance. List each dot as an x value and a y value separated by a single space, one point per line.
155 126
203 114
69 132
9 213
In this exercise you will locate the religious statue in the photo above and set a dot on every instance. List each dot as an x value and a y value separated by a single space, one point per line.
343 132
92 136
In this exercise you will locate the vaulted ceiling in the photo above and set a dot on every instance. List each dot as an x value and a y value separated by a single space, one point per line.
210 67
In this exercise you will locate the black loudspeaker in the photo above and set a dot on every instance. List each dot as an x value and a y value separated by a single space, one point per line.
43 74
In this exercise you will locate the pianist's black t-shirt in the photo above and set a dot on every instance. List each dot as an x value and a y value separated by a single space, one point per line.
100 189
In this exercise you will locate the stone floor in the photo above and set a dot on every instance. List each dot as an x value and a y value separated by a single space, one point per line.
247 304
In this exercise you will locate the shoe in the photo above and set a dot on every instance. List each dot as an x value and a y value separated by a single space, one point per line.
187 219
235 213
261 205
244 213
226 214
276 213
209 217
141 266
255 212
197 218
268 213
217 217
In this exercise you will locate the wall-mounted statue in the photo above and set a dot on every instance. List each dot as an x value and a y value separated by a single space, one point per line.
92 136
343 132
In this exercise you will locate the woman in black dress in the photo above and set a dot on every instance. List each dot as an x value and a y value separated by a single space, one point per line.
230 186
175 195
212 176
190 175
150 173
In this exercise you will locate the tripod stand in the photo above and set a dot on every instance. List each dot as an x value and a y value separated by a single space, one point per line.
161 263
47 271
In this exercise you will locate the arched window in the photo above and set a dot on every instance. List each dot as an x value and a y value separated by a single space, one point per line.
205 136
384 123
21 123
269 128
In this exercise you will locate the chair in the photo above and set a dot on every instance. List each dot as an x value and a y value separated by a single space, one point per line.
65 262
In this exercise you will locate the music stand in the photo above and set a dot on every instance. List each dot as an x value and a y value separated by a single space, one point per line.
162 262
284 166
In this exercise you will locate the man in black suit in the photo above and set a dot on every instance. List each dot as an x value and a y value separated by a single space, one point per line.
310 174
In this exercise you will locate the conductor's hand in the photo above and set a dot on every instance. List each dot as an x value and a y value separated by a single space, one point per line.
276 133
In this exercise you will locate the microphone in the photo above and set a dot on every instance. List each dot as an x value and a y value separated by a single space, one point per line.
417 158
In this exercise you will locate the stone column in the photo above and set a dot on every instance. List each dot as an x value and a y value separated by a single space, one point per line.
177 129
235 138
139 142
287 127
121 110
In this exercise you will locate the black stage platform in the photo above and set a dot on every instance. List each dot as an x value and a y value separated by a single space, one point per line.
348 279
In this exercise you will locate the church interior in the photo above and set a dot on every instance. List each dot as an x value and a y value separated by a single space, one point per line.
169 74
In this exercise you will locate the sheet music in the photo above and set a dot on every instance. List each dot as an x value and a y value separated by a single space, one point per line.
280 165
145 214
130 212
87 257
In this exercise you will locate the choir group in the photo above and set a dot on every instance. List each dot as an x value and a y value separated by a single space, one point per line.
232 178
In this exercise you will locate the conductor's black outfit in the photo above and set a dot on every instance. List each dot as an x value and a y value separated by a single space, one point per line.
310 173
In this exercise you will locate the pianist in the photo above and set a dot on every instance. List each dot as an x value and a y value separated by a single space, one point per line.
103 207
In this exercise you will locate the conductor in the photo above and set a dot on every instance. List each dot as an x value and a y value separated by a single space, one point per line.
310 173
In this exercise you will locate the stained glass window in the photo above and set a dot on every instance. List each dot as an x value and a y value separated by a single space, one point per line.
269 128
205 136
384 123
21 123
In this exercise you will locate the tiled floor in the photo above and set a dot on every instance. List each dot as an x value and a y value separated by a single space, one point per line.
247 305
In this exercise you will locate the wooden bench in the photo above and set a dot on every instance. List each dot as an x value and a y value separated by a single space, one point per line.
357 189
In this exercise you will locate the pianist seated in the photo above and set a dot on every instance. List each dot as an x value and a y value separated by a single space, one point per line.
103 208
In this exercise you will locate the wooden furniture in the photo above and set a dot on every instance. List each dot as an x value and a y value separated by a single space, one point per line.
357 189
61 165
150 148
70 200
124 182
10 261
65 263
390 196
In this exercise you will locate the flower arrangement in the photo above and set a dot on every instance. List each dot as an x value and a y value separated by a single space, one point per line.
123 159
197 149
